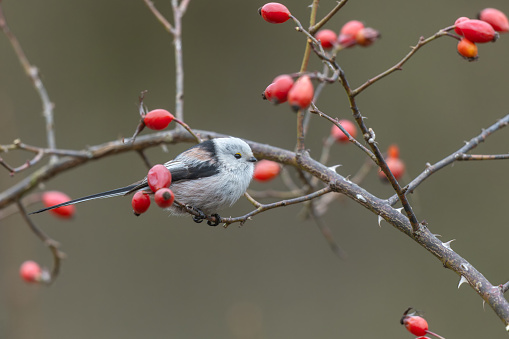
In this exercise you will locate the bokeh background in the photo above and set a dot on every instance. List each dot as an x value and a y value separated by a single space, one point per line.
162 277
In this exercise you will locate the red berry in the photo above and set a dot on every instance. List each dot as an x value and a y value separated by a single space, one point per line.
397 167
497 19
140 202
274 12
348 33
158 177
30 271
367 36
52 198
416 325
393 151
423 338
301 94
352 27
267 94
339 135
477 31
266 170
164 197
158 119
347 40
467 49
281 86
460 19
327 38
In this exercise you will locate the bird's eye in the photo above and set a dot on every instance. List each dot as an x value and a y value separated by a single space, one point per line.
238 155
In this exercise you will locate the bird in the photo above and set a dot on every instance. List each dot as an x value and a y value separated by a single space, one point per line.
207 177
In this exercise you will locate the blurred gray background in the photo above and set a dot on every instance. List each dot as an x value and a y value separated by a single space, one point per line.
162 277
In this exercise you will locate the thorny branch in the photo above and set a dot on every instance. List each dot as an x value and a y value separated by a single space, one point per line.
459 155
333 183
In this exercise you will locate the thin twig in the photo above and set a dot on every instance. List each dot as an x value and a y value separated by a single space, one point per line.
282 203
52 244
144 158
455 156
463 156
326 231
399 65
350 138
166 24
33 73
314 28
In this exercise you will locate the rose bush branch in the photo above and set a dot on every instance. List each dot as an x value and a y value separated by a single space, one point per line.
33 73
399 66
455 156
39 155
333 181
48 241
175 30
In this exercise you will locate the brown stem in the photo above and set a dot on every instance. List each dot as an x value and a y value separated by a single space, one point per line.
52 244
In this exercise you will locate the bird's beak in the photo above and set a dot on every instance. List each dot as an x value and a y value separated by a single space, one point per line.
252 159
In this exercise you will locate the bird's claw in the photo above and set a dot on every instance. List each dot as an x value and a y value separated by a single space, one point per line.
198 218
201 216
215 223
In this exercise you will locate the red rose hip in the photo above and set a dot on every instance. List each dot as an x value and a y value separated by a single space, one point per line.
164 197
338 134
52 198
266 170
158 119
477 31
301 94
397 167
327 38
348 33
30 271
497 19
158 177
460 19
140 202
416 325
274 12
281 85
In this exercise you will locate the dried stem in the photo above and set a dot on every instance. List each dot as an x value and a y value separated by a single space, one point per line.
459 155
52 244
282 203
399 65
33 73
314 28
176 31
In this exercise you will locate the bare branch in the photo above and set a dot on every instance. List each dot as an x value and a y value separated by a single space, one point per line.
33 74
456 156
52 244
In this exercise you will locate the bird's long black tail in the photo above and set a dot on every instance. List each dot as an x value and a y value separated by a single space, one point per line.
102 195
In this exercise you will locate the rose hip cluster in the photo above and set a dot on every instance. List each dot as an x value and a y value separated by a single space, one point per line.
486 28
159 181
417 325
299 94
352 33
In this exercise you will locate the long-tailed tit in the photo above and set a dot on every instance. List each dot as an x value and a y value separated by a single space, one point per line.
207 177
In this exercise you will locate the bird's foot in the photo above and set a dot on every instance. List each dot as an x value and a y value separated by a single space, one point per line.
198 218
215 223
